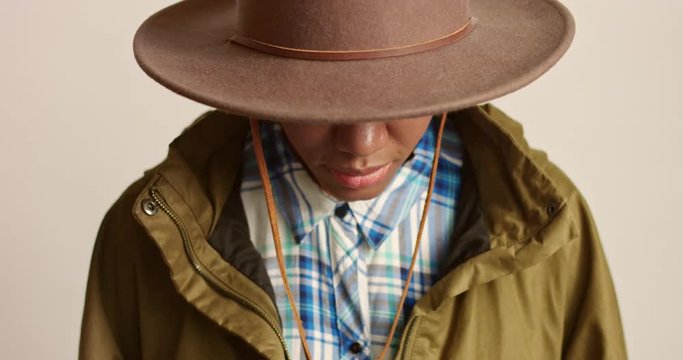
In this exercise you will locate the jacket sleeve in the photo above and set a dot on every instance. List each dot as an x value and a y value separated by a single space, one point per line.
109 328
593 325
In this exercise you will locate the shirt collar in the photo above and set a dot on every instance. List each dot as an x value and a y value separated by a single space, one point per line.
303 205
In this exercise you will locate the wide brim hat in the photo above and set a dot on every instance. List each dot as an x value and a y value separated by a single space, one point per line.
351 60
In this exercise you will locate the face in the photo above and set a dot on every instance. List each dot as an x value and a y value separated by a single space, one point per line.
355 161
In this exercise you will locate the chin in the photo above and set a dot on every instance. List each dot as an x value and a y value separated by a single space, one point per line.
355 197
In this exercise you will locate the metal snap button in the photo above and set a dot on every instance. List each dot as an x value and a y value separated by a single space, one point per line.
551 208
149 207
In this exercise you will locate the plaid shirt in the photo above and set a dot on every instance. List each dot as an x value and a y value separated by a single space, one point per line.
347 262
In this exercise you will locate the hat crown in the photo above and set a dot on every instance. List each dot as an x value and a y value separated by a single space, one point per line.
350 25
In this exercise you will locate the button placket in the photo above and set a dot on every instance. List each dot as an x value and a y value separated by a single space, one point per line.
345 260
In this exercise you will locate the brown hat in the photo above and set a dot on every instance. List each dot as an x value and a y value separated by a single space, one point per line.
351 60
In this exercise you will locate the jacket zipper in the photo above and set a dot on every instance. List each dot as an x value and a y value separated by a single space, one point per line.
406 340
208 276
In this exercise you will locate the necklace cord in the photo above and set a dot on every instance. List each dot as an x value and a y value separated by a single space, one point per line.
263 171
423 221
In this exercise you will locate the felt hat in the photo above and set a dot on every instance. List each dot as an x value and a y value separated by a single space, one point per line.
350 60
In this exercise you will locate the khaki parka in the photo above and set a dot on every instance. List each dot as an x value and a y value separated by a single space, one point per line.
174 274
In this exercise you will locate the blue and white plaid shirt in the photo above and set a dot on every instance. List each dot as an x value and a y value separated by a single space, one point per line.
347 262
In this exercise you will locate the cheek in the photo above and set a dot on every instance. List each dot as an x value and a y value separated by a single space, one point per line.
310 142
408 133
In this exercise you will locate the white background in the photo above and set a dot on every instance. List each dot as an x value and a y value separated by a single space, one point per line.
79 121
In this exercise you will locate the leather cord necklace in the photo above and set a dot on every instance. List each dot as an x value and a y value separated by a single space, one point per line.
272 216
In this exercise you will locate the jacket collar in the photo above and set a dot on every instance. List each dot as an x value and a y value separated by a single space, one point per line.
521 196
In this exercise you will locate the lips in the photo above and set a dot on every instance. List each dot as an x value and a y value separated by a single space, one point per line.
360 178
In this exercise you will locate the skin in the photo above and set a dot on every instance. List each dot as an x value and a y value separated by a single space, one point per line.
335 154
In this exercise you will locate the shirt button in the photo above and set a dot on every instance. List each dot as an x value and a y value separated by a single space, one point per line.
356 347
341 210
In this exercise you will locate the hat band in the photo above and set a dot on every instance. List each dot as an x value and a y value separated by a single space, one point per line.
354 54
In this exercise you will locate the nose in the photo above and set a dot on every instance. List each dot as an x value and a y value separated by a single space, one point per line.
361 139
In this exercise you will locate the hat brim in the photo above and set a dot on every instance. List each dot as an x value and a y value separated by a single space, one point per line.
185 48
